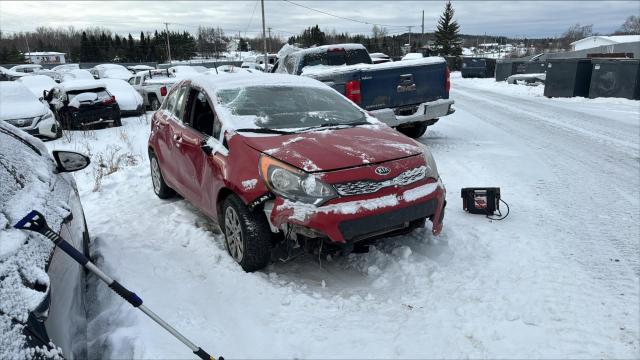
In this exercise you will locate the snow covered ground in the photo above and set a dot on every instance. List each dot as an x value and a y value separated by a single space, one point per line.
557 279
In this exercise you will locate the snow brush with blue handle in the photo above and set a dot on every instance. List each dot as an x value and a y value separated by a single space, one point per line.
35 221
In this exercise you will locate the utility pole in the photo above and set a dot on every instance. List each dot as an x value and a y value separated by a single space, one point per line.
269 43
264 39
168 45
422 35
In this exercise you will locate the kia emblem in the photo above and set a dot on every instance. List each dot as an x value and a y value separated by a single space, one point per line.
381 170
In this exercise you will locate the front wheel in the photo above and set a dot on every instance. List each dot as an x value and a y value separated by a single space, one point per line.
247 234
414 130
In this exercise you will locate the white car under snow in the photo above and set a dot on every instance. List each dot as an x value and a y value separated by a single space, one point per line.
37 84
22 109
128 98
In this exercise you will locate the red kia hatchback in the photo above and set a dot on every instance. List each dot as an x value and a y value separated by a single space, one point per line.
267 154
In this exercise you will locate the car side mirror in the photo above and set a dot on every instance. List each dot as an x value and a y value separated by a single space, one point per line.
70 161
207 149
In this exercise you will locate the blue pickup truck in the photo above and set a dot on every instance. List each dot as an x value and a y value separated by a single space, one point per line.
408 95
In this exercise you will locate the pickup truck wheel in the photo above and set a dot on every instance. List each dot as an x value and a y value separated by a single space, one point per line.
414 130
159 186
154 103
247 234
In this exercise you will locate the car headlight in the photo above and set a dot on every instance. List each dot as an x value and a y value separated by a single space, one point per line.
292 183
432 168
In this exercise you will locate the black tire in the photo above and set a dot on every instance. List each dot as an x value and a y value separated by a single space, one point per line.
117 117
157 180
253 250
58 131
66 120
154 103
414 130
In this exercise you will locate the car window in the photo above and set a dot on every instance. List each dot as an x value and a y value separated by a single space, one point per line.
280 107
289 64
201 115
179 108
337 57
170 101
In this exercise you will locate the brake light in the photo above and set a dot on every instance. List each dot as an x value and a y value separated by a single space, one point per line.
109 101
163 91
447 80
335 49
352 91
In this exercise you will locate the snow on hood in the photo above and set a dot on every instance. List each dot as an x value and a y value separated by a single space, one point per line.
335 149
328 69
37 84
18 102
126 96
26 183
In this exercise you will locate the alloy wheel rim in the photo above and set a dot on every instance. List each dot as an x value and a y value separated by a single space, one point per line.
155 175
233 233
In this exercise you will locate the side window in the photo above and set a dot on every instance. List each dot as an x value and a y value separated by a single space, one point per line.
201 115
138 80
132 81
179 109
170 101
290 64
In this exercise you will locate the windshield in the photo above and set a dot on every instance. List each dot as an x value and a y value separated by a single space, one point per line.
282 107
337 57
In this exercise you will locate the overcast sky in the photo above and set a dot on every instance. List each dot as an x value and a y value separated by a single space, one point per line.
511 18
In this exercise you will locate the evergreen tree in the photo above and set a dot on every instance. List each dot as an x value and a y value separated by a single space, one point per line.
447 33
84 48
242 44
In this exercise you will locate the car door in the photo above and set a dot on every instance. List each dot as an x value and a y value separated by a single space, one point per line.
168 131
202 171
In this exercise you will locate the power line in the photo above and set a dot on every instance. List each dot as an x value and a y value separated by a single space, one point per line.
251 18
341 17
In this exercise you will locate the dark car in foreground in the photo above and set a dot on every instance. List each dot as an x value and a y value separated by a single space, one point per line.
42 290
80 104
284 158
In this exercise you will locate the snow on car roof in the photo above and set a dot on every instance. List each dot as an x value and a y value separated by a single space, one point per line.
83 84
26 183
328 69
324 48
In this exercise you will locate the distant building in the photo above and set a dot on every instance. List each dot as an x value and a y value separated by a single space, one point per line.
595 41
45 57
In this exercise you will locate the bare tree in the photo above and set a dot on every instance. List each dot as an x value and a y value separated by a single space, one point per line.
631 26
575 33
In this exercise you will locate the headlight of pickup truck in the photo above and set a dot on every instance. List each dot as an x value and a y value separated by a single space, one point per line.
292 183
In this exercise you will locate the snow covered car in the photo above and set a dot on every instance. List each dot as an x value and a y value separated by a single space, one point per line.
111 71
380 58
252 66
80 104
42 290
186 70
76 74
412 56
269 154
129 101
26 68
65 67
37 84
22 109
140 67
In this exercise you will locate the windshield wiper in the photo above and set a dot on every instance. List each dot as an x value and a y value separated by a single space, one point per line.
266 131
330 125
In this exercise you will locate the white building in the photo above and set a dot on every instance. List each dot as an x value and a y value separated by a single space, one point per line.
45 57
595 41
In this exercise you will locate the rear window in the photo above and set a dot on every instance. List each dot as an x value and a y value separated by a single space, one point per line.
281 107
100 92
337 57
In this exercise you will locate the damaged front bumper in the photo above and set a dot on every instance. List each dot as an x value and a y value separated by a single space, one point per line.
384 212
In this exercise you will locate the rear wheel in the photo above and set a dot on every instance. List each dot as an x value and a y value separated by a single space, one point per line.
414 130
159 186
247 234
154 103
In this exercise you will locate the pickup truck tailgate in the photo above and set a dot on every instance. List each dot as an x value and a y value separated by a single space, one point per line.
398 87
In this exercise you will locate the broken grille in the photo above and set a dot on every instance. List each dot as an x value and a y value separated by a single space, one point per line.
371 186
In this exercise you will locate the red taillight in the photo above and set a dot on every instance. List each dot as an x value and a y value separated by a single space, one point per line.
163 91
109 101
335 49
447 80
352 91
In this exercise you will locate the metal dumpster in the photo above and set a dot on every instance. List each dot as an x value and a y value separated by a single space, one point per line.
478 67
532 67
568 78
506 68
615 78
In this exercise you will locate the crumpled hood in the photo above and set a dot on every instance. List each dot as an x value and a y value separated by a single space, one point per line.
326 150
